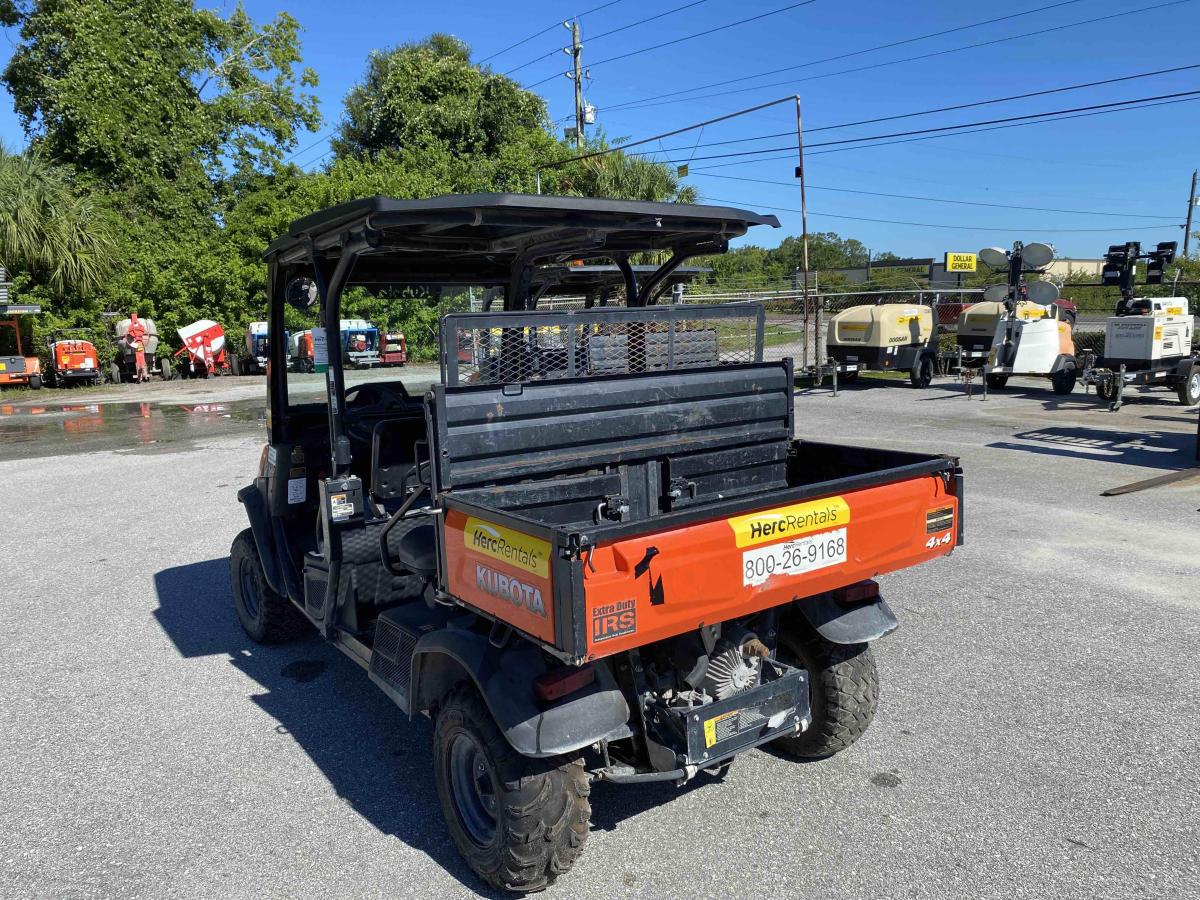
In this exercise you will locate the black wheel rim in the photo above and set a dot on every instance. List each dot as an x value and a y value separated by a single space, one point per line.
473 788
249 583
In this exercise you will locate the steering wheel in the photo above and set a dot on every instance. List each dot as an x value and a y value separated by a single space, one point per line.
383 394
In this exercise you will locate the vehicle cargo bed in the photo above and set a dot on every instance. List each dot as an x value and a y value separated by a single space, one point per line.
595 520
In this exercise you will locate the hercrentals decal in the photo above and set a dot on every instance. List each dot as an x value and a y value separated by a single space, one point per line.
517 549
514 590
789 521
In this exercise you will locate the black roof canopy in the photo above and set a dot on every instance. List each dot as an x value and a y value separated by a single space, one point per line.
480 238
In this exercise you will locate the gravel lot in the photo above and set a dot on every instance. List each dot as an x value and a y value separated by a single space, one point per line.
1038 737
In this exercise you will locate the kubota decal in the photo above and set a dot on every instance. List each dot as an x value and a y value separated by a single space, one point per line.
514 590
789 521
517 549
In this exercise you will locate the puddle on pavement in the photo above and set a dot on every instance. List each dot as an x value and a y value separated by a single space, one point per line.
66 428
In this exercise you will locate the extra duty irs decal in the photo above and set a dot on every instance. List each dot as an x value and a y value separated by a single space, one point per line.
613 620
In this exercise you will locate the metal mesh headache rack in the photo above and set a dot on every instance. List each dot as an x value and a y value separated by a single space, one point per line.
506 348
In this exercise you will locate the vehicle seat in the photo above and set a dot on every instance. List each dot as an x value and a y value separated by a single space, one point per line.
411 544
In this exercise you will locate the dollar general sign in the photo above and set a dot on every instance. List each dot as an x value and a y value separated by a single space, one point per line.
960 262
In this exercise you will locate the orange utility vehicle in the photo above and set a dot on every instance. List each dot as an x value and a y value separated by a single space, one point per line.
17 367
599 553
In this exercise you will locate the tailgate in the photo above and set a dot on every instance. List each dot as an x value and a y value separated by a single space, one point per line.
644 588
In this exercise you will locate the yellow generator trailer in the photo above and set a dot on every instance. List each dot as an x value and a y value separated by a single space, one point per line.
884 337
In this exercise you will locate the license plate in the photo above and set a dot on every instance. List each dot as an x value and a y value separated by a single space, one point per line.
807 554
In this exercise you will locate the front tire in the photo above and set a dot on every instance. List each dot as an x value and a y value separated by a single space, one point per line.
266 617
843 692
518 822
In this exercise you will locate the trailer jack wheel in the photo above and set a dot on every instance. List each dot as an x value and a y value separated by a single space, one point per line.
844 692
518 822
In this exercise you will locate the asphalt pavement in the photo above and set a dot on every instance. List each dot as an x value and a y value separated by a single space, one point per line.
1038 734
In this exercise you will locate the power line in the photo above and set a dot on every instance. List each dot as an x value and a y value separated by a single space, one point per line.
814 187
642 104
660 15
689 37
548 28
1030 118
1020 228
672 133
955 134
320 140
941 109
815 62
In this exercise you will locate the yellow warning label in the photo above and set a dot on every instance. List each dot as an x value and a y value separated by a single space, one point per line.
710 727
789 521
517 549
1174 310
853 326
1158 333
905 319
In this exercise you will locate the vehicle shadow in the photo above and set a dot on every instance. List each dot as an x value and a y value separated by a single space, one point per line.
1163 450
375 759
378 762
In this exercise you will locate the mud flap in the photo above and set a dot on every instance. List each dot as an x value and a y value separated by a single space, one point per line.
504 678
260 524
843 624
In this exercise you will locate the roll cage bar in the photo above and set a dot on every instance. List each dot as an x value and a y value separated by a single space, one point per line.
489 240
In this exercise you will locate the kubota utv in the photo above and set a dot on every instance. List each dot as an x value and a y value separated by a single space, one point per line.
597 553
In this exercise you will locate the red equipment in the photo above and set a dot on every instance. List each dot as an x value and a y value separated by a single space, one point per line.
395 349
73 360
203 352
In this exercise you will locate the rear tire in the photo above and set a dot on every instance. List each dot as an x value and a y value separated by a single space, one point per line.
848 377
266 617
843 692
1063 381
921 374
996 382
518 822
114 372
1188 388
35 382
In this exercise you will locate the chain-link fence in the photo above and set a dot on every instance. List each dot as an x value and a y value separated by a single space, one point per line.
510 348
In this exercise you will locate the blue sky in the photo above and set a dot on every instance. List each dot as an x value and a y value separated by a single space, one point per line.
1135 163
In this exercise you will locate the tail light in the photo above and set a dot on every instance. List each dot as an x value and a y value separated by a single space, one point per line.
561 682
857 592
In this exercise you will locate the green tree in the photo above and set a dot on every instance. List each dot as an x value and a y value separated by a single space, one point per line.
429 93
157 98
48 232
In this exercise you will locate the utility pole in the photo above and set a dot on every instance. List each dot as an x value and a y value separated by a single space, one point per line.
1187 229
577 77
800 174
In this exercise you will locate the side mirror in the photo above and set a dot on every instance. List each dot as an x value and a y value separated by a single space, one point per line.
301 293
